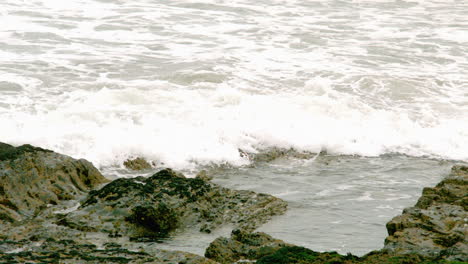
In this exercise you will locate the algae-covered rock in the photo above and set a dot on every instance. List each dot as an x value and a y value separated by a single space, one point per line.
299 255
437 224
243 245
155 221
145 208
260 248
69 251
32 178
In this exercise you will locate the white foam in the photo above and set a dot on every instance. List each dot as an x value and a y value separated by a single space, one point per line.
182 128
207 80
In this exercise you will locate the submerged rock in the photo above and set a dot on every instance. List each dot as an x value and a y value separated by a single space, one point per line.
32 178
137 164
150 208
437 224
270 154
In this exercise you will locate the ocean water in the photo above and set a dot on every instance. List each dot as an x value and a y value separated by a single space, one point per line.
381 87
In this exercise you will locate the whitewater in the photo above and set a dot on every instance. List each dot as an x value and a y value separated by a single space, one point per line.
191 82
188 84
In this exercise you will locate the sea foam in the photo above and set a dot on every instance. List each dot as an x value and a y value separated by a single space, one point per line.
184 128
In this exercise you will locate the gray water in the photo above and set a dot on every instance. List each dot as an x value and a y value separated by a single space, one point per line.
381 86
339 203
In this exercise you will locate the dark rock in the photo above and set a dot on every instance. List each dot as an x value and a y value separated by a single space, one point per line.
295 254
32 178
437 223
68 251
137 164
8 152
261 248
152 207
243 245
155 221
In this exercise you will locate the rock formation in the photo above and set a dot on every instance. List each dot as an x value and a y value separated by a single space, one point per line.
146 208
137 164
437 224
243 245
32 178
69 251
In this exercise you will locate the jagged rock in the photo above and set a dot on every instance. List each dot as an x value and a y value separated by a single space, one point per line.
437 224
32 178
243 245
149 208
137 164
68 251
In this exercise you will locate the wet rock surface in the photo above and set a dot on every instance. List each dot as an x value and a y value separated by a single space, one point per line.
150 208
243 245
68 251
32 178
260 248
437 224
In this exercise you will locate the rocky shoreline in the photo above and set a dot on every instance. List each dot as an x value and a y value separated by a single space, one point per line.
41 221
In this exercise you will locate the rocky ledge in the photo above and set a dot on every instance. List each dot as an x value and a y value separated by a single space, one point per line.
437 224
69 251
260 248
33 178
146 209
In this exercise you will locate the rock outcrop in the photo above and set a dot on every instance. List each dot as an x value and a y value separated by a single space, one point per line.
68 251
32 178
260 248
243 245
437 224
137 164
149 208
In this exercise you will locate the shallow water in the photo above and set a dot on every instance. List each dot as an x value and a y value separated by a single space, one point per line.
339 203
